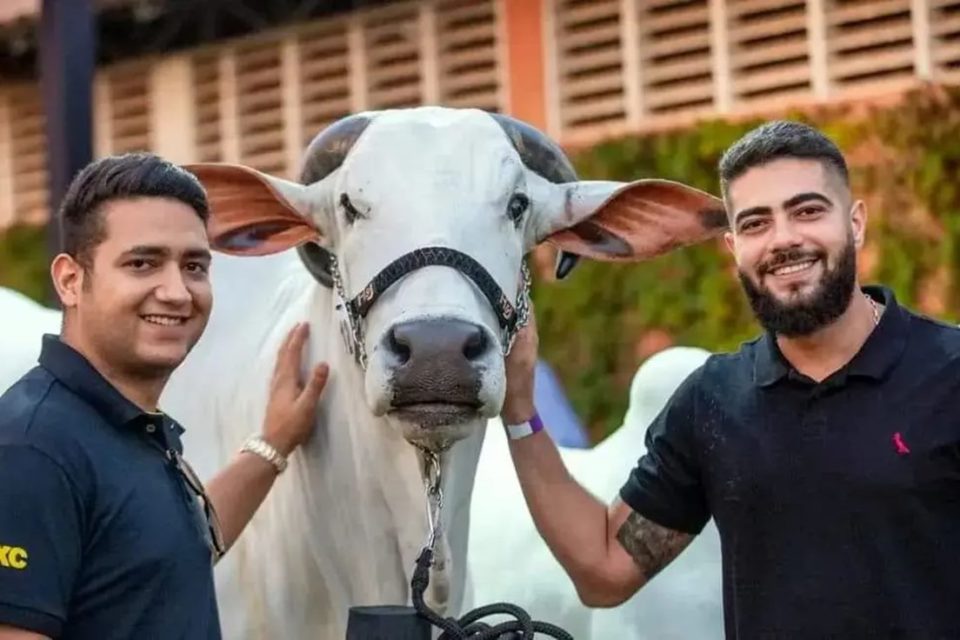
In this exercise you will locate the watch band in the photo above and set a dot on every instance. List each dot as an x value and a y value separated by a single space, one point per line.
524 429
257 445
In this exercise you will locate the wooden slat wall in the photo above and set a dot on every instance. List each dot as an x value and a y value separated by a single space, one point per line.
391 39
945 36
29 158
129 108
206 101
870 42
589 62
391 70
324 75
769 49
675 56
468 69
683 58
260 106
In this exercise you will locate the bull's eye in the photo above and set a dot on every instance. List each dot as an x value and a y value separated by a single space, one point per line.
517 206
349 210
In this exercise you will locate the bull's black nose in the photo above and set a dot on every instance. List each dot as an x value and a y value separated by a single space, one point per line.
451 343
436 362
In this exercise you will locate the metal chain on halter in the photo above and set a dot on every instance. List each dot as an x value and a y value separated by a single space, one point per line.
469 626
523 308
355 337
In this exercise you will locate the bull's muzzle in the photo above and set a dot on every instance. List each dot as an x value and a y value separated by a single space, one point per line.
436 367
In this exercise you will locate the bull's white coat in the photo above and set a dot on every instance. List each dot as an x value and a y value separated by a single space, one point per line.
22 322
343 525
510 562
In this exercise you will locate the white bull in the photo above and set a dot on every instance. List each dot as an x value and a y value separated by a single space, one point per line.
22 322
510 562
416 359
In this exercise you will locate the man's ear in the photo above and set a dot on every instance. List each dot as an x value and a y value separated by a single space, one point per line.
858 223
67 276
255 214
629 222
730 242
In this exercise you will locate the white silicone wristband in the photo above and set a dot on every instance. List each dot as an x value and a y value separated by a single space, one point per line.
524 429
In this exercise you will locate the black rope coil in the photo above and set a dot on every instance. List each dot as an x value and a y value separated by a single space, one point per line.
469 627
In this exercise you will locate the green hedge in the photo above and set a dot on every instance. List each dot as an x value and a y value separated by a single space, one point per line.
599 324
23 260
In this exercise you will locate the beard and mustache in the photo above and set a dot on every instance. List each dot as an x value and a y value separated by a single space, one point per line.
805 316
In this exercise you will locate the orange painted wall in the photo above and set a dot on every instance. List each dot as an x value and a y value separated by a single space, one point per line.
525 52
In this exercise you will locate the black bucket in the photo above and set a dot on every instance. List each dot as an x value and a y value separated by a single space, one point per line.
387 623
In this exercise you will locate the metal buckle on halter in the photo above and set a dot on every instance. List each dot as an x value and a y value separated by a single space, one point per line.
433 480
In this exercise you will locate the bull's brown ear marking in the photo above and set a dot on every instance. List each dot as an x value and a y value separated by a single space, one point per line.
602 240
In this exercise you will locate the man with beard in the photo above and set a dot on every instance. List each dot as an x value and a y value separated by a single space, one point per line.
827 449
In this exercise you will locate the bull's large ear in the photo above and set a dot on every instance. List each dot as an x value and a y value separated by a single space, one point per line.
628 222
254 214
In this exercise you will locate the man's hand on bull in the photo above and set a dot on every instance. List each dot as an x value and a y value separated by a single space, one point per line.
518 405
237 491
293 403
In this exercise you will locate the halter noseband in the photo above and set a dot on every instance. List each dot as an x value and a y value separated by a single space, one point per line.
512 317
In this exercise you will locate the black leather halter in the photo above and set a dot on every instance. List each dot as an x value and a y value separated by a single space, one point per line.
510 316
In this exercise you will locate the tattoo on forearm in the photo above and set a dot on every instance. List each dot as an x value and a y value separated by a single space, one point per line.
651 546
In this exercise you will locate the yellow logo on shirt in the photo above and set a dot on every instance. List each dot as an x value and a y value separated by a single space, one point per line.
13 557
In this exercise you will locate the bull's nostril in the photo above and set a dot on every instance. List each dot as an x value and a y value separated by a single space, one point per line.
433 344
398 347
475 345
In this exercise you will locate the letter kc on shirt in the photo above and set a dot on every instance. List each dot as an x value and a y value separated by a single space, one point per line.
13 557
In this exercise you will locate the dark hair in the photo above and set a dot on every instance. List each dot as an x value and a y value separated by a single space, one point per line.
775 140
130 175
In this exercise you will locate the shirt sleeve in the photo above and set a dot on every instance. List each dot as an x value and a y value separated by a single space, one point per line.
666 484
40 543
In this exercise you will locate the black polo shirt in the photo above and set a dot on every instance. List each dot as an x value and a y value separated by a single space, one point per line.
99 536
838 503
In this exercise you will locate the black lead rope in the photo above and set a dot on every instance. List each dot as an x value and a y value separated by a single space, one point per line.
469 627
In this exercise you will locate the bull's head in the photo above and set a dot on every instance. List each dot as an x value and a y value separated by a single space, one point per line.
480 190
